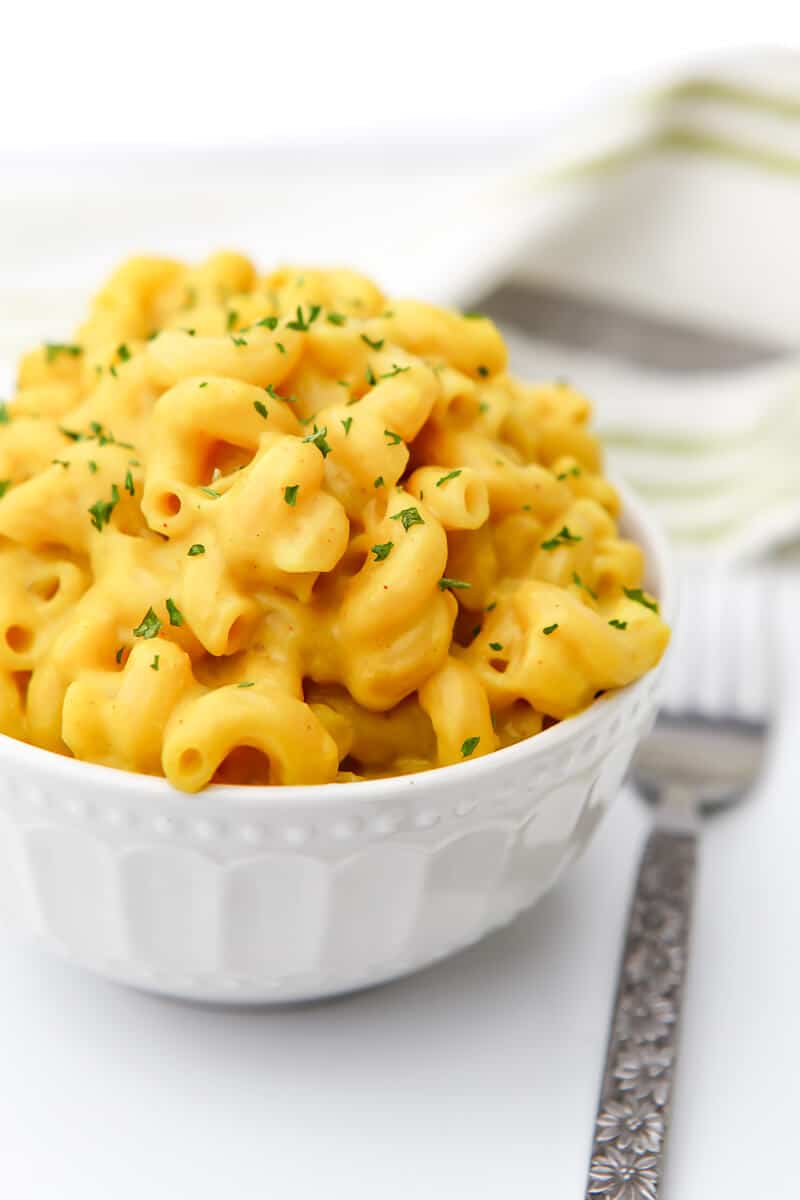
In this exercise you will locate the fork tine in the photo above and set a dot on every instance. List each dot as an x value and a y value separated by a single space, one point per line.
721 661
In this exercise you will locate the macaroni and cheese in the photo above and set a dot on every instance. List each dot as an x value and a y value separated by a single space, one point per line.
278 529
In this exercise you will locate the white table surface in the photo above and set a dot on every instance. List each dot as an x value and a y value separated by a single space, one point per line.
477 1078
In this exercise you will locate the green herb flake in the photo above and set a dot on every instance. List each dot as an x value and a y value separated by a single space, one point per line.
548 629
238 341
382 551
483 372
392 438
175 614
101 510
123 352
576 579
491 607
469 745
483 407
370 374
203 384
335 318
290 494
92 465
5 415
377 345
261 408
346 423
129 488
495 646
231 319
449 475
59 462
148 627
210 492
617 624
303 324
566 474
281 347
154 663
638 596
246 683
562 538
53 349
394 371
119 654
474 316
318 439
197 548
113 371
5 484
378 482
268 322
445 583
408 517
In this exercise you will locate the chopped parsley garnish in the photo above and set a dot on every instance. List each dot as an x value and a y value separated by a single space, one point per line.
53 349
197 548
576 579
303 324
343 383
318 439
246 683
382 551
394 371
154 663
119 654
370 374
113 371
149 626
562 538
408 517
379 482
468 745
617 624
92 465
268 322
572 471
261 408
129 488
483 371
638 596
377 345
491 607
5 415
210 492
495 645
445 583
238 341
281 347
334 318
290 494
190 332
474 632
483 407
548 629
392 438
203 384
270 390
231 319
175 614
123 352
449 475
5 484
101 510
59 462
346 423
474 316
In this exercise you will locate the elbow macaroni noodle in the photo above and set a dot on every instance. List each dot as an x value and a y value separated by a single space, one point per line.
278 530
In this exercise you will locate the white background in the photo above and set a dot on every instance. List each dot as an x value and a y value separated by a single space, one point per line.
157 73
478 1078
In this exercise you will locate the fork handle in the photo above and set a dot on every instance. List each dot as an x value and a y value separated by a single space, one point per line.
633 1114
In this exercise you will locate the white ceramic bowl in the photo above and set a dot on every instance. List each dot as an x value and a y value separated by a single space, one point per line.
253 895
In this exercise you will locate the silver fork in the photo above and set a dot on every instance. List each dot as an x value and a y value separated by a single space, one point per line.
704 754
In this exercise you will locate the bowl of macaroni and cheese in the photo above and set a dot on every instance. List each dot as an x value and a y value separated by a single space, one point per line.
324 641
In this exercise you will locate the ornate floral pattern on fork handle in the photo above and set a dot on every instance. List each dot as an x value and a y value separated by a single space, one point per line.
633 1115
